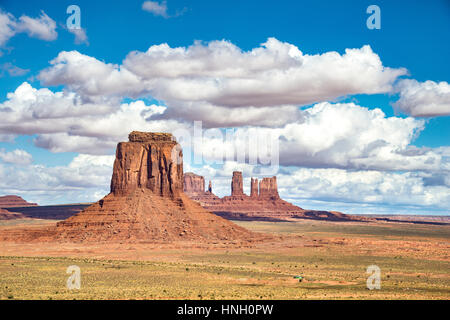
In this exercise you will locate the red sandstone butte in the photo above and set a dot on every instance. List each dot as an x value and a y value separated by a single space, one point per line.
147 202
264 202
237 185
193 184
14 201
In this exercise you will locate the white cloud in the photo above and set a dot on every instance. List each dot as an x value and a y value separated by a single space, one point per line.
341 135
223 85
43 27
80 35
18 156
63 122
424 99
7 25
12 70
362 188
90 77
274 74
158 9
85 178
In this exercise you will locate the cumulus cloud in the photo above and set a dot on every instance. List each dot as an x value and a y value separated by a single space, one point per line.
85 178
423 99
63 122
273 74
18 156
90 77
218 77
340 135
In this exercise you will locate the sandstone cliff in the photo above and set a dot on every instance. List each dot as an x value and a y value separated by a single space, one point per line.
147 200
146 162
237 185
194 188
268 188
193 184
254 188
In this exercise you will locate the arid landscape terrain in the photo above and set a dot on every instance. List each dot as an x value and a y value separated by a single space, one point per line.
154 237
332 257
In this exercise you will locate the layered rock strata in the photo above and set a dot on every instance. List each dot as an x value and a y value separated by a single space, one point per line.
146 202
264 202
14 201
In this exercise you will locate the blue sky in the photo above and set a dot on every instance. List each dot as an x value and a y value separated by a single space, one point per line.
414 35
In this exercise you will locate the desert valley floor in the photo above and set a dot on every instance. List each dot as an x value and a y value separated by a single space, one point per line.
332 258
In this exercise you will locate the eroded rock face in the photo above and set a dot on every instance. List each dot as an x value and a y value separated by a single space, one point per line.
147 202
254 188
237 185
268 188
193 184
149 160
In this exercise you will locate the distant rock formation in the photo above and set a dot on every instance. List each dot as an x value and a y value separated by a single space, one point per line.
237 184
194 188
14 201
193 184
210 187
7 215
147 203
268 188
254 188
264 202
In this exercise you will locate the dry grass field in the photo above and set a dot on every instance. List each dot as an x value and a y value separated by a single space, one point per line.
332 257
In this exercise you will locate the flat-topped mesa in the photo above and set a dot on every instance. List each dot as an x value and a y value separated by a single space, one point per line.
149 160
237 185
268 188
12 201
138 136
254 188
193 184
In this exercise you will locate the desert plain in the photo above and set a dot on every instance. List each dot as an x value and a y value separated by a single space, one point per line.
332 257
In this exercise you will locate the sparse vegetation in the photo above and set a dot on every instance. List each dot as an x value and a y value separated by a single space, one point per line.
414 262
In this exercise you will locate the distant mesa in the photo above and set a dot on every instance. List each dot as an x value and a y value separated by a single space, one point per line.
8 205
7 215
264 202
14 201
